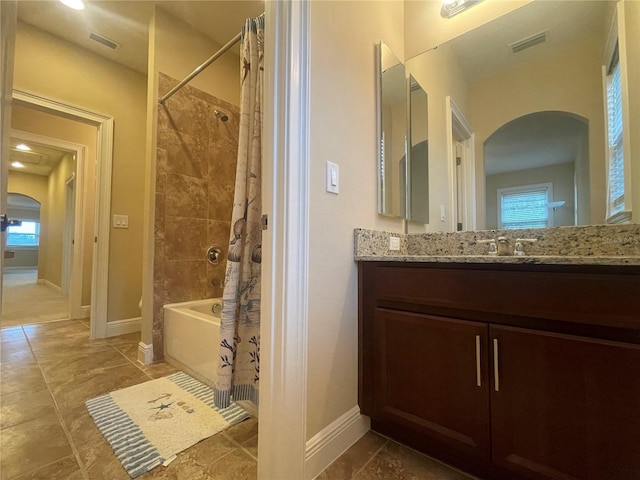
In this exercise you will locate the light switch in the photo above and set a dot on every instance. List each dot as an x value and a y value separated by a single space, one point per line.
121 221
394 243
442 213
333 178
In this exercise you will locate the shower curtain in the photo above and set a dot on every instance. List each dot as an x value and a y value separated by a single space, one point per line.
238 373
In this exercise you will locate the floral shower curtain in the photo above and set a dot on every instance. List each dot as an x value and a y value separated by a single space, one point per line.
238 373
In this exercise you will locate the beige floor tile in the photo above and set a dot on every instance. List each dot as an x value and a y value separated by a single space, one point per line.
236 466
11 333
21 379
157 370
65 469
84 361
101 463
32 445
20 407
251 446
74 391
128 350
16 359
345 467
82 428
397 462
243 431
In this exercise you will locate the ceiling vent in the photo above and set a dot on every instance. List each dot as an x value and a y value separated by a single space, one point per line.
104 41
528 42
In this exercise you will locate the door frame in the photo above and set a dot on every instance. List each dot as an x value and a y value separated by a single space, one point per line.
76 309
104 162
458 128
69 236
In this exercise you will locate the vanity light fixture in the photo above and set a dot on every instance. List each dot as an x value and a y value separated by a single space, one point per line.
23 147
75 4
17 165
454 7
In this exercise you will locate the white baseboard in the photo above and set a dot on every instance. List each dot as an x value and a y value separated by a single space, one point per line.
25 267
332 441
82 312
44 281
122 327
145 353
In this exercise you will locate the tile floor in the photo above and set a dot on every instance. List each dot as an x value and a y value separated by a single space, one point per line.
47 372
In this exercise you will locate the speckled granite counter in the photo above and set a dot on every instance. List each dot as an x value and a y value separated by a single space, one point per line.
587 245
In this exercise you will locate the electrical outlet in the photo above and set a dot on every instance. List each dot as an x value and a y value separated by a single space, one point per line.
394 243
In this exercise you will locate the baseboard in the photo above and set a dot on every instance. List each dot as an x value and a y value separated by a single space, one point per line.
85 311
26 267
332 441
44 281
145 353
122 327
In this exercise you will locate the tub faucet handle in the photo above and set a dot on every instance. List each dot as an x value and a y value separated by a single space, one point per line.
214 255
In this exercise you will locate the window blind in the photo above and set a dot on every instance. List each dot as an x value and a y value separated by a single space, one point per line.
614 123
524 208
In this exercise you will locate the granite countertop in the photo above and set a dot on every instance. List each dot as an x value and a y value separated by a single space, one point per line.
584 245
547 260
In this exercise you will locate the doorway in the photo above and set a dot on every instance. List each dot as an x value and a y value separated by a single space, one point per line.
44 271
91 218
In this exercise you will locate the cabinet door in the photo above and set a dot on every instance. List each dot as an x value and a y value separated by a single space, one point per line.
431 384
565 407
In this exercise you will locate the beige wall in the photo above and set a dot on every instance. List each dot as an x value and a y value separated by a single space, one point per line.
560 176
51 248
179 49
342 73
632 44
440 76
41 123
570 81
81 78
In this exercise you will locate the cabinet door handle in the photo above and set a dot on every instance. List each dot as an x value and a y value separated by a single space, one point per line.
478 374
496 373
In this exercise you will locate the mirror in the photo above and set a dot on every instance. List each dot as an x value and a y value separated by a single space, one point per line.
530 85
419 154
392 117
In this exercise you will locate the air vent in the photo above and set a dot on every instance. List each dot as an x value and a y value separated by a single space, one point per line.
528 42
104 41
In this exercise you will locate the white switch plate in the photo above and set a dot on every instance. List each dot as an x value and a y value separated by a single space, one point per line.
333 178
394 243
121 221
442 213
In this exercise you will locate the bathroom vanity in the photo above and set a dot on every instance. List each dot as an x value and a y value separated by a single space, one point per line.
505 369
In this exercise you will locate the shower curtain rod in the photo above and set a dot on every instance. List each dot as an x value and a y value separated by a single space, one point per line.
198 70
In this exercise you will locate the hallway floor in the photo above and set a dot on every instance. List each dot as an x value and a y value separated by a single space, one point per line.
26 301
48 370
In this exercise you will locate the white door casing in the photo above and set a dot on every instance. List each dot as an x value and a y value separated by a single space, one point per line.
104 160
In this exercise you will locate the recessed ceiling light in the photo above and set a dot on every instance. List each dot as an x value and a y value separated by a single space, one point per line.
17 165
75 4
23 147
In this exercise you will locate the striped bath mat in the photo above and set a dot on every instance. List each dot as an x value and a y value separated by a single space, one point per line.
148 424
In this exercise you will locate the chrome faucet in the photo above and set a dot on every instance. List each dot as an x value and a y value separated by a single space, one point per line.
518 251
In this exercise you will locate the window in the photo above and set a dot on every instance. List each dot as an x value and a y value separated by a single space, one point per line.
25 235
526 206
615 178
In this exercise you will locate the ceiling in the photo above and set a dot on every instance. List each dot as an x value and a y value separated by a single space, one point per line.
127 23
485 50
39 160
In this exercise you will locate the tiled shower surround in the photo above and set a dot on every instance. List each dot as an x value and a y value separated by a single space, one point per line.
195 180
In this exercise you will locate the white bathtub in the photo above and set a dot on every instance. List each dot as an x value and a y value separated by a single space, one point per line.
191 340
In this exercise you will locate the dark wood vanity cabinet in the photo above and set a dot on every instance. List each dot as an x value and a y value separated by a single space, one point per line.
509 388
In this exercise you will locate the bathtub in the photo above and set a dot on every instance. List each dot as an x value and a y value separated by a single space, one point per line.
191 340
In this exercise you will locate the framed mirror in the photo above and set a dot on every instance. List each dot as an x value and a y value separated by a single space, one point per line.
392 128
533 86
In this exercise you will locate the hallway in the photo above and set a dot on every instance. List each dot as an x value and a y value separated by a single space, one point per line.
24 301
